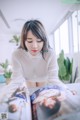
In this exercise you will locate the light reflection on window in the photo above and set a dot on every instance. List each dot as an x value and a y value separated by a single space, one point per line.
61 38
79 28
75 30
57 41
64 37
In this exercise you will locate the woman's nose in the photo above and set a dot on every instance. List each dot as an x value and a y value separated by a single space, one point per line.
34 45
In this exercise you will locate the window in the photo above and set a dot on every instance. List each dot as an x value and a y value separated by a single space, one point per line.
57 41
64 37
79 28
75 31
61 38
67 36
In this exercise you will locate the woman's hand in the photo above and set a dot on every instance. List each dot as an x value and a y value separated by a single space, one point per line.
74 92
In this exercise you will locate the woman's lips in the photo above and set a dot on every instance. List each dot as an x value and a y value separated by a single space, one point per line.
34 50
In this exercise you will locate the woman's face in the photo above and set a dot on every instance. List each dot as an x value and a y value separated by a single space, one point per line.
33 44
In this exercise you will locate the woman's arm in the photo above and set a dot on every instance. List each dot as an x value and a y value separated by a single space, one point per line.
53 71
17 75
17 79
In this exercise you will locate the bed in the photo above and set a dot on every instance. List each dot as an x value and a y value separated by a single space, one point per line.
26 113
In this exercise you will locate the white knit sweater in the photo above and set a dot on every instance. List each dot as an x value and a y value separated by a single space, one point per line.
34 68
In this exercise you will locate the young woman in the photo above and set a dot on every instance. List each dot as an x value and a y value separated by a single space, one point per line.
34 61
35 64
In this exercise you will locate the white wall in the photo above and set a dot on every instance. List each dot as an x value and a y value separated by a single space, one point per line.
49 12
6 48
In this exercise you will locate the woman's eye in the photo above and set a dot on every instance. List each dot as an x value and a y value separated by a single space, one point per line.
29 41
39 41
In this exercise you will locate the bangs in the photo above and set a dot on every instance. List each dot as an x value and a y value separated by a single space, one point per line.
37 31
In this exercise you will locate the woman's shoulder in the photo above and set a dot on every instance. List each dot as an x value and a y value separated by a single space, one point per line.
49 53
18 52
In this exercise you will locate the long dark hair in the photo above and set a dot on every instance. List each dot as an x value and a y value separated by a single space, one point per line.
38 30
